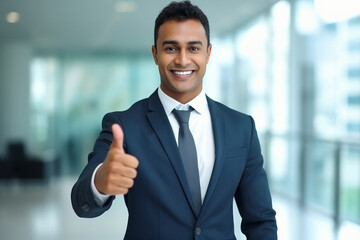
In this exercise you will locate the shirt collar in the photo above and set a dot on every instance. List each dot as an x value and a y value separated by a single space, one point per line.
199 103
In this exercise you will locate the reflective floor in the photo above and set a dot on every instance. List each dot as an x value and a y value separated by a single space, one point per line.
38 211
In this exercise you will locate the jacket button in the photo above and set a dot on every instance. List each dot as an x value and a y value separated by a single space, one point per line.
198 231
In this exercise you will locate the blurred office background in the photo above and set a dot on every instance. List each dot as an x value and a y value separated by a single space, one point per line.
294 65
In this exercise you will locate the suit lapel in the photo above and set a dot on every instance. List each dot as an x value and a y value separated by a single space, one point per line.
162 128
219 130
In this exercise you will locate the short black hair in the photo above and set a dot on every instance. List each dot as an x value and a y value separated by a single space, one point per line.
181 11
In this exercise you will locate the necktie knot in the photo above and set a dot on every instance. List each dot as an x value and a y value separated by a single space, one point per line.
182 116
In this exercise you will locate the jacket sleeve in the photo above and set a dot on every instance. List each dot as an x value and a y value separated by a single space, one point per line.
82 198
253 195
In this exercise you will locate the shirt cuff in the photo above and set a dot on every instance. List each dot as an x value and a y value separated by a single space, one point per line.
99 198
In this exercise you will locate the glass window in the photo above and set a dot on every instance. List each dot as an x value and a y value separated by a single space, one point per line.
70 94
336 74
43 99
249 72
350 183
253 69
330 93
320 174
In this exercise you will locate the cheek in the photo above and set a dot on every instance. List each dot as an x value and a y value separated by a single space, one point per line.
163 70
201 60
202 65
162 62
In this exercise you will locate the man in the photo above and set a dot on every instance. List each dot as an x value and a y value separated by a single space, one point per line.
140 152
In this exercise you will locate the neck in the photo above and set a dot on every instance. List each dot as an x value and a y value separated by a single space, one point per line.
182 97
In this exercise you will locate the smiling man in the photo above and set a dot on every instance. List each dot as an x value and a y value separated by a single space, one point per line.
181 51
178 157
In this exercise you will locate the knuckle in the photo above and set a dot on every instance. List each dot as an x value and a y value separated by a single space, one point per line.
136 163
128 183
134 173
131 182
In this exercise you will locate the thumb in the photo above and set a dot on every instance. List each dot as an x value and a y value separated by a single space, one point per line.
118 135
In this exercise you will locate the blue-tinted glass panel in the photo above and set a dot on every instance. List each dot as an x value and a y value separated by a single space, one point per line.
354 72
353 127
283 168
354 100
350 183
320 174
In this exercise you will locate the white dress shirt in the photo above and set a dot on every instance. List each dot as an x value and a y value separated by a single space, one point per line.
201 129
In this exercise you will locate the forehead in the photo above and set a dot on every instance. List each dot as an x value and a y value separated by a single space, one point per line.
182 31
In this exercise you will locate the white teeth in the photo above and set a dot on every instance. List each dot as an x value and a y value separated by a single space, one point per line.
183 73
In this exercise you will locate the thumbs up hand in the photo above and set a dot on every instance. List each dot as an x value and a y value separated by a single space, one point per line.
116 175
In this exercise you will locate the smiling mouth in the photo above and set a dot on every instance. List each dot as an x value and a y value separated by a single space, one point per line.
182 73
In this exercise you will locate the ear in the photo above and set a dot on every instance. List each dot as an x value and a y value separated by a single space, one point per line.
208 53
154 53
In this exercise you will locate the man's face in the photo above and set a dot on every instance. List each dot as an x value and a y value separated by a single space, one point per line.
181 55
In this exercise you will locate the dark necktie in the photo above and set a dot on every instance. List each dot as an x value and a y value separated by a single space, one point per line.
188 154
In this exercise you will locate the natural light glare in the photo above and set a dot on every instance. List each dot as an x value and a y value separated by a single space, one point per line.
280 15
38 88
331 11
223 52
47 215
246 46
306 19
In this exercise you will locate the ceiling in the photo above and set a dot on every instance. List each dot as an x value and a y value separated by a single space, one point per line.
67 25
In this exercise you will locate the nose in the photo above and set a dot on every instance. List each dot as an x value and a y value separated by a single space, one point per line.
182 58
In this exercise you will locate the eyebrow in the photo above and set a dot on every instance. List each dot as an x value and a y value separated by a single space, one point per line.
172 42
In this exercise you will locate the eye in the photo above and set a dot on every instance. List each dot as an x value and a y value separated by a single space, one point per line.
170 49
194 49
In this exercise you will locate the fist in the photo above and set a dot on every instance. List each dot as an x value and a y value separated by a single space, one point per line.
116 175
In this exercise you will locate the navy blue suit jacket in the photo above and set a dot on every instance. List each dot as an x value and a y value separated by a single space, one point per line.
159 203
